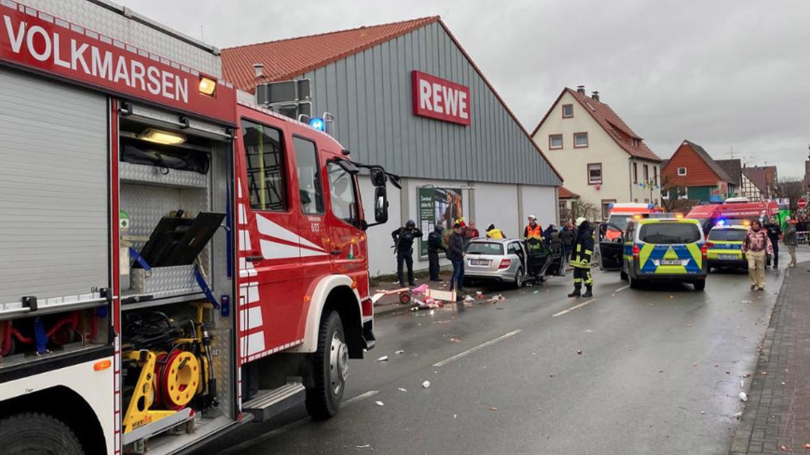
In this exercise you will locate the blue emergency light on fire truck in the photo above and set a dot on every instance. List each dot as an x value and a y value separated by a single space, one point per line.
194 261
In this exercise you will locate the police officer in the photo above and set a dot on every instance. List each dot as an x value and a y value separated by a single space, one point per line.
581 259
403 242
434 245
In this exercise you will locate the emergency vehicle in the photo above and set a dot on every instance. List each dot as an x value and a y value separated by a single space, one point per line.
733 209
174 259
724 245
622 213
656 249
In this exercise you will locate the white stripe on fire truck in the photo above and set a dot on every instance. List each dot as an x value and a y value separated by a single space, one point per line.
253 343
251 318
269 228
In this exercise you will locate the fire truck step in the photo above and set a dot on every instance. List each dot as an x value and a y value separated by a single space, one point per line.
269 403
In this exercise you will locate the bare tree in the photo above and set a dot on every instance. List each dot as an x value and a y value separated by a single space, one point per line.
675 200
792 189
587 210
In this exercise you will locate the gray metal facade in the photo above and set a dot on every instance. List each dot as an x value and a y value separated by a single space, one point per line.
54 239
370 95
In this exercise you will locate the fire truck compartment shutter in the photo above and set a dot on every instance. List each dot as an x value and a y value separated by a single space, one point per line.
54 233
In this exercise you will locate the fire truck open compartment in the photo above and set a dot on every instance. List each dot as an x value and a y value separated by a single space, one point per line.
175 207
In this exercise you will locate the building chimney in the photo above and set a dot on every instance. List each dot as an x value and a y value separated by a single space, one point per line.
595 96
258 70
581 89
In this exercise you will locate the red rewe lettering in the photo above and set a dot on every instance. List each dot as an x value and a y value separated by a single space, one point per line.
440 99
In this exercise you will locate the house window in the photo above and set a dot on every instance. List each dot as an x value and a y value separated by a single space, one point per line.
635 173
568 110
646 174
580 140
681 171
555 141
594 173
606 203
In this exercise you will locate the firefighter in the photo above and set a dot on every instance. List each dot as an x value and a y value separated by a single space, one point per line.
533 235
434 245
403 242
494 233
581 259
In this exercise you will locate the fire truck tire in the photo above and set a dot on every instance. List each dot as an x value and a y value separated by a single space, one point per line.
37 433
330 367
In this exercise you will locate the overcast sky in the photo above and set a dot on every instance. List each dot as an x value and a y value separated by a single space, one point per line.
721 73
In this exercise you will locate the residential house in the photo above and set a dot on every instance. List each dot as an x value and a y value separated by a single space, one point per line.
733 168
566 201
601 158
755 184
691 173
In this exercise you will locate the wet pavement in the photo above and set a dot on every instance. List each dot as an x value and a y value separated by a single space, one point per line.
660 371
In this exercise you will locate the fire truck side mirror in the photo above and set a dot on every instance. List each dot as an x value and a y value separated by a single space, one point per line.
380 205
378 177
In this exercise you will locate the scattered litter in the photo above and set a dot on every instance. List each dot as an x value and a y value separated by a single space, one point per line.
703 412
426 384
468 299
807 446
536 292
747 375
455 340
660 371
743 396
528 285
420 290
728 372
717 365
764 373
493 408
551 375
742 384
431 312
747 301
534 353
498 298
672 296
783 449
579 352
455 415
364 447
403 390
399 352
783 383
379 403
737 415
383 359
694 364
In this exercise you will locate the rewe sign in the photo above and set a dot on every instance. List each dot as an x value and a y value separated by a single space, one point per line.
440 99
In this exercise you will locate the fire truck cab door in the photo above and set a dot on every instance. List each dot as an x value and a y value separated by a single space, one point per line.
271 296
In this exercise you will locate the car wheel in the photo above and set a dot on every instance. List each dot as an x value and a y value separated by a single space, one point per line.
519 278
623 274
634 284
700 285
330 368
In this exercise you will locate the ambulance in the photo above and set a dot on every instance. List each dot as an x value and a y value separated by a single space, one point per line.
622 213
734 209
175 260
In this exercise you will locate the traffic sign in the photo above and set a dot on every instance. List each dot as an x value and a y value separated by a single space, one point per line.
802 203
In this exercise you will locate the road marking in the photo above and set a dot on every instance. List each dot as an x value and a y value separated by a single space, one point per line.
271 434
622 288
573 308
479 347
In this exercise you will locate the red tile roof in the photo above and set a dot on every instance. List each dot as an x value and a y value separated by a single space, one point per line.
613 125
702 170
565 193
289 58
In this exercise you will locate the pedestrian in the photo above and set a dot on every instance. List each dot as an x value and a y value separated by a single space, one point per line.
567 236
791 239
581 259
494 233
774 234
455 252
403 242
471 232
756 245
555 243
547 233
533 234
434 246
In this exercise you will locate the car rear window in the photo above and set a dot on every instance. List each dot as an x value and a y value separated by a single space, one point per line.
485 248
669 233
727 235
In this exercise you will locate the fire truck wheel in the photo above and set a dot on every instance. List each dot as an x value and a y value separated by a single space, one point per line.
330 369
37 433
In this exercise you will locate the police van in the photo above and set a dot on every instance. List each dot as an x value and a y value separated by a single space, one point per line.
658 249
724 246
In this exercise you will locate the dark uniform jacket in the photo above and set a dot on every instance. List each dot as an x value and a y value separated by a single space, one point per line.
583 247
404 237
435 242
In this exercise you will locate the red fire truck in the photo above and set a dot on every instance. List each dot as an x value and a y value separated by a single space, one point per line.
734 209
173 260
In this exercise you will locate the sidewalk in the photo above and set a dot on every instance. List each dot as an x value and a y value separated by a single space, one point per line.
776 418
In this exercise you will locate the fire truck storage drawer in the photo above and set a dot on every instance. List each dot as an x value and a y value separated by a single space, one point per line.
54 224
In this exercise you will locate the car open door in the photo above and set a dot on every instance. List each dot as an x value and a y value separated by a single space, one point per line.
610 248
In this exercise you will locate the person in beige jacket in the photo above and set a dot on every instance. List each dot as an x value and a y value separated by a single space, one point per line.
756 245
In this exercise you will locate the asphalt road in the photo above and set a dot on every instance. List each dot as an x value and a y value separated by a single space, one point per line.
660 371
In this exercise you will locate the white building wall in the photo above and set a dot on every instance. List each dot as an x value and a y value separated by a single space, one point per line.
540 201
497 204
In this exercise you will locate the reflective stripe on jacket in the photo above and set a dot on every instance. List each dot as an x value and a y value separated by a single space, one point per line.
583 248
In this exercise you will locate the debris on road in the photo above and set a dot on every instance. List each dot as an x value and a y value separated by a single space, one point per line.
579 352
536 292
455 415
403 390
737 415
383 359
743 396
364 447
379 403
807 446
426 384
784 449
551 375
493 408
455 340
399 352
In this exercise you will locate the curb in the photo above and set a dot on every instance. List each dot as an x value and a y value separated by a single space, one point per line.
742 436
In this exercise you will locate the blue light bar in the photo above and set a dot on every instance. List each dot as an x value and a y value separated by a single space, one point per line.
317 123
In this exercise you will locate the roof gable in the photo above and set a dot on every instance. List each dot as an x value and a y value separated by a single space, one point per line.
613 125
733 168
289 58
702 170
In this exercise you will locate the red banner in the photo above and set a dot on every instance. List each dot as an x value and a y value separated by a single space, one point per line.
440 99
37 40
